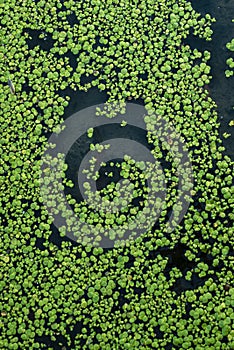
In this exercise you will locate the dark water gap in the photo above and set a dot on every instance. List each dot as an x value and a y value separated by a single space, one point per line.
221 88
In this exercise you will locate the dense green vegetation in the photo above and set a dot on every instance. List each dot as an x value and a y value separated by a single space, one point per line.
163 290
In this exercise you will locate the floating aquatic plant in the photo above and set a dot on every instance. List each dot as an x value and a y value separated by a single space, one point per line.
160 290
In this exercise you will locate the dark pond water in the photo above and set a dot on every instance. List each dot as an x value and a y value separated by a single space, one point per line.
221 90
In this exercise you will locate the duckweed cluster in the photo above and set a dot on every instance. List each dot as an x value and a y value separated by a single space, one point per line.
160 290
230 62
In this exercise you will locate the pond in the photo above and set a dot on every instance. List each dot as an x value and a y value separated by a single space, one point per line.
147 263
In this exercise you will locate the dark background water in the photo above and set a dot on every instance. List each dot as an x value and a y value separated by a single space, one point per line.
221 88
